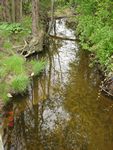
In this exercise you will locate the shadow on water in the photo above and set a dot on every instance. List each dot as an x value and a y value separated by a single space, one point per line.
63 110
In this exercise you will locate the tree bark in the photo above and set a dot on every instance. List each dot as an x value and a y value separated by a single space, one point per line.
18 10
21 12
6 15
17 14
13 10
3 10
52 16
35 17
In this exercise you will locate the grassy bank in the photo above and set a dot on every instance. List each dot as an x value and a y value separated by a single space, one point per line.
15 70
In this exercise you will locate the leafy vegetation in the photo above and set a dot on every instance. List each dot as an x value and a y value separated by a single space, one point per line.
13 28
15 32
95 29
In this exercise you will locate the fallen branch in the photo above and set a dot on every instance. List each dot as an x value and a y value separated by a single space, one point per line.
62 38
105 91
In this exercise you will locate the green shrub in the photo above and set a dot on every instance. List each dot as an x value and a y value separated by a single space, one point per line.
95 29
20 83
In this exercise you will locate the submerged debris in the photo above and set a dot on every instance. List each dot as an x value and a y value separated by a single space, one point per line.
107 86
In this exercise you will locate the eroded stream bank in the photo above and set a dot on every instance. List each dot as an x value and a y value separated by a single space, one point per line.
63 110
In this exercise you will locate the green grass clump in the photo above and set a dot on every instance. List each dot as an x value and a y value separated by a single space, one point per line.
15 64
2 72
38 66
14 74
4 89
20 83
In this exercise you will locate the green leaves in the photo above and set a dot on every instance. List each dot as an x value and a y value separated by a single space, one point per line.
13 28
95 28
16 28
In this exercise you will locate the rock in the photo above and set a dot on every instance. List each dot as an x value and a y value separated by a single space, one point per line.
9 95
32 74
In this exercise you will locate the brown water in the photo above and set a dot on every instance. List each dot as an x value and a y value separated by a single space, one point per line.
63 110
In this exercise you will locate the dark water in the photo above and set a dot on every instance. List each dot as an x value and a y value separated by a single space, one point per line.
63 110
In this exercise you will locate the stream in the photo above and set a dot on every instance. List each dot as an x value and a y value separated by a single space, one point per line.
63 109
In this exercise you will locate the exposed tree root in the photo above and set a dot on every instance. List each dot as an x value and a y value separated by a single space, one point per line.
34 45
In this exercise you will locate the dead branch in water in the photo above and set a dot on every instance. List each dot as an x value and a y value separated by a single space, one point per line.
62 38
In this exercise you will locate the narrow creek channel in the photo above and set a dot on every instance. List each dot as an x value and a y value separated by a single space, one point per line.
63 110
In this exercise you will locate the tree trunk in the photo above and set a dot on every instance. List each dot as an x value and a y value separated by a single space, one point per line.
18 10
52 16
13 10
3 10
6 15
35 17
21 9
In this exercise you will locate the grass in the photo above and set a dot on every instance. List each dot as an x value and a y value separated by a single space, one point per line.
20 83
14 74
4 88
14 69
15 64
37 66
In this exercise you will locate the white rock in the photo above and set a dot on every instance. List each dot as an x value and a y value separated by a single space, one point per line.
9 95
32 74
